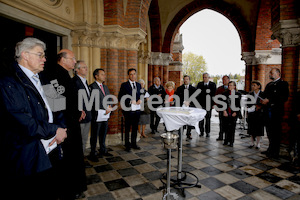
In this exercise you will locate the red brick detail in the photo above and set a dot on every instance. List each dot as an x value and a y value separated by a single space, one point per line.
263 30
150 75
154 18
165 74
228 10
134 17
116 63
175 76
290 70
112 83
248 77
288 9
177 57
275 14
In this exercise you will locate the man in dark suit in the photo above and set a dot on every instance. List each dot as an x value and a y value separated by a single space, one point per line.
99 127
25 119
276 93
81 83
71 167
156 89
130 106
207 88
220 90
183 100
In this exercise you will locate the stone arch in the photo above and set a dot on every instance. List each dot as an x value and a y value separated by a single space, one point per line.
228 10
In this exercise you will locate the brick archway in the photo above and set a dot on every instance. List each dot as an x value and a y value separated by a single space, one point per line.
226 9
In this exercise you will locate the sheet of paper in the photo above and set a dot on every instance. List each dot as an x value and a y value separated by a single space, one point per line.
135 107
46 143
102 117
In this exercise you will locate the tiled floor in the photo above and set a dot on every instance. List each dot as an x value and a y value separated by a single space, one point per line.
223 172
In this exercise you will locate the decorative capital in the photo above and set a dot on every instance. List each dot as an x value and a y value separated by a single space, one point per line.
158 58
248 57
268 57
287 32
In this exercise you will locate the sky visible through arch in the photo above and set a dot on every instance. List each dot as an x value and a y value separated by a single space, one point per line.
212 35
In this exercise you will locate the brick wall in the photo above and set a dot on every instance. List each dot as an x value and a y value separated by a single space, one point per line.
263 30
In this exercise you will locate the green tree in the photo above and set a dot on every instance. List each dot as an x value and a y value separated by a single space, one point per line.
194 65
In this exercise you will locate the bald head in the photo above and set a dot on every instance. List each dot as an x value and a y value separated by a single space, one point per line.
66 59
274 74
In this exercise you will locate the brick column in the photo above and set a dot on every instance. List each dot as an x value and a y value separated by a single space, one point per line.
288 34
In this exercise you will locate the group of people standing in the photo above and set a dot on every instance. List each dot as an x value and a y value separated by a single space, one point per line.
31 167
43 149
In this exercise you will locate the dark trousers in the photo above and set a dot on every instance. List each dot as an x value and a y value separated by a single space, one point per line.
273 128
205 121
131 121
154 120
229 124
98 128
221 132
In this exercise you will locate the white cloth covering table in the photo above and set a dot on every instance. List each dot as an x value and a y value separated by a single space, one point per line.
175 118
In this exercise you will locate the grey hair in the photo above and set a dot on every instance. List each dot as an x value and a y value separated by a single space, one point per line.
77 65
27 44
206 73
156 78
141 81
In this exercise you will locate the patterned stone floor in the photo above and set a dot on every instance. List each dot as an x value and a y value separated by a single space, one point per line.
224 172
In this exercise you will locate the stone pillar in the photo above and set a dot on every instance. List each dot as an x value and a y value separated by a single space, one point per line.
288 34
159 63
264 61
248 57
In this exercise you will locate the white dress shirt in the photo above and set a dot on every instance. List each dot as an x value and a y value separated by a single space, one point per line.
84 83
30 75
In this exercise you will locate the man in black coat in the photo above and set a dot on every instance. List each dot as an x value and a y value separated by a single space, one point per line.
207 88
81 83
156 89
99 127
276 93
71 167
25 119
130 106
183 100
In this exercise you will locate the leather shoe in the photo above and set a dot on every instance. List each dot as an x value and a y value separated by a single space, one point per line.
128 149
207 135
92 158
219 139
136 147
202 134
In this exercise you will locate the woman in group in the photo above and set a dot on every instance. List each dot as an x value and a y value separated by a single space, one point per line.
231 113
145 114
170 86
255 115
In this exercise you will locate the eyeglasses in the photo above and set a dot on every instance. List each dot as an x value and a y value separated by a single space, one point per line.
40 55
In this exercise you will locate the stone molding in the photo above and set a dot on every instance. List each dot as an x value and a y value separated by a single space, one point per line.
248 57
108 37
287 32
178 44
159 58
268 57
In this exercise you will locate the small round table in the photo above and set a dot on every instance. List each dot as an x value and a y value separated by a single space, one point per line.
175 118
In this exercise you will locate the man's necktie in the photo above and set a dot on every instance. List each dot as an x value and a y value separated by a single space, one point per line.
87 87
133 86
101 87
